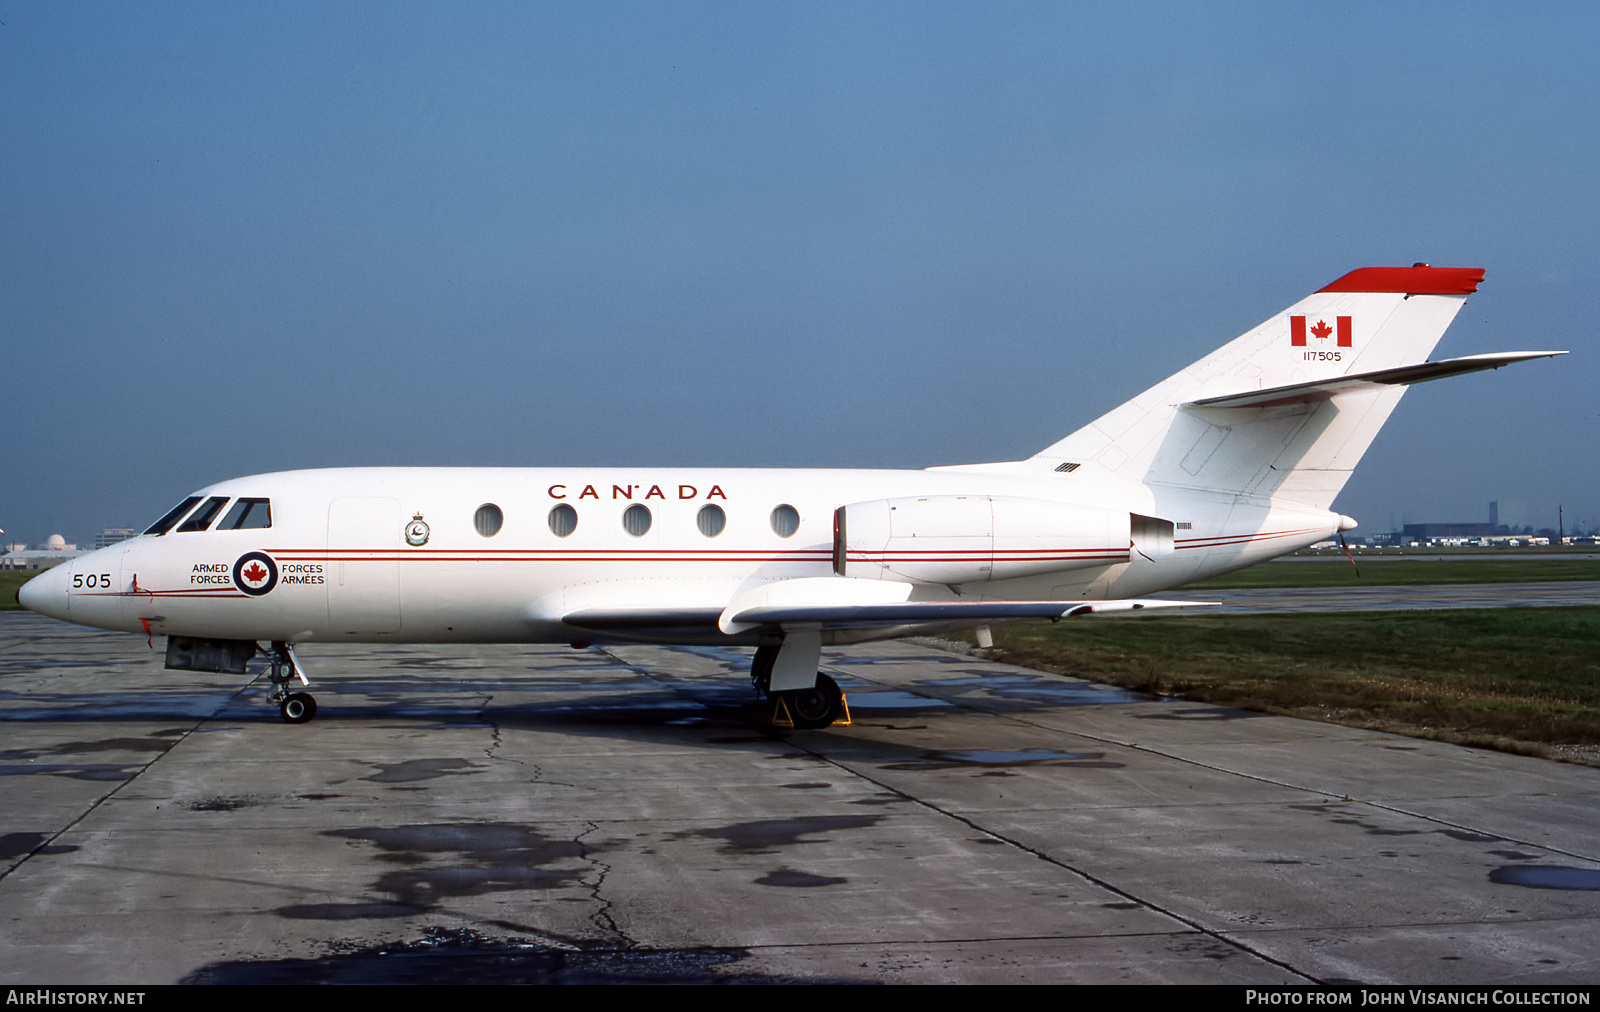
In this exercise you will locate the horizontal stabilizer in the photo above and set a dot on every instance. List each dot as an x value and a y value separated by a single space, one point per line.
1299 393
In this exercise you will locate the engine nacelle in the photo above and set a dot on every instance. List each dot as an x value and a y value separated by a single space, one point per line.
954 539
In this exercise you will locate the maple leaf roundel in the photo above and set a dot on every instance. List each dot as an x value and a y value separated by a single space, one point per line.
255 573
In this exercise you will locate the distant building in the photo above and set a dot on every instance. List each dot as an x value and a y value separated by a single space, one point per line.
1436 532
53 552
112 535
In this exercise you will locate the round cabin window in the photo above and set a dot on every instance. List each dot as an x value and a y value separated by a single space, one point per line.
636 520
488 520
563 520
711 520
785 521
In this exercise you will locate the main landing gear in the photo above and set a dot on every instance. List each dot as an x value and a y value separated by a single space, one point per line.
296 707
819 706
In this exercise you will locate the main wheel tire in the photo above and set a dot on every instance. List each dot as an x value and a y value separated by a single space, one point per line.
817 706
298 707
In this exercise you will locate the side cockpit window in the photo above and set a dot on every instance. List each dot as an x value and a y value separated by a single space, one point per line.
248 515
204 515
164 525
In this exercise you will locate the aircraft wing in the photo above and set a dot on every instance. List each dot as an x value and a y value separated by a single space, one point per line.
1296 393
930 612
827 615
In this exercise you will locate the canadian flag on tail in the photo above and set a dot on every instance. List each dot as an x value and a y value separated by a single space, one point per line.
1320 330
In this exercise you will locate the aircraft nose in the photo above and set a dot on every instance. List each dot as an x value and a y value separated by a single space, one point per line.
47 592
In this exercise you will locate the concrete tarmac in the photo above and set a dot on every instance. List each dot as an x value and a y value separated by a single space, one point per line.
521 813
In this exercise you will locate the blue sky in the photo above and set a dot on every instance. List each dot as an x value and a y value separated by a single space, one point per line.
239 238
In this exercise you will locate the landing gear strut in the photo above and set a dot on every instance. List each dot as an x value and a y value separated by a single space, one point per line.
761 668
296 707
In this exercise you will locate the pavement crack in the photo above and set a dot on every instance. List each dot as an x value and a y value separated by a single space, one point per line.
601 918
496 740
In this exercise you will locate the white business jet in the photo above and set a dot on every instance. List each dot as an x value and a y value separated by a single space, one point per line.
1231 461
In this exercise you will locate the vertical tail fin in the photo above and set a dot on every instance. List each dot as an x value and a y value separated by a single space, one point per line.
1370 320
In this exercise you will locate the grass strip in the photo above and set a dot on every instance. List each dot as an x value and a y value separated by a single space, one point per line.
10 580
1516 679
1402 573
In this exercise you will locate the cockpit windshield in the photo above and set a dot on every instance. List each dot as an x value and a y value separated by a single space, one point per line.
204 515
248 514
164 525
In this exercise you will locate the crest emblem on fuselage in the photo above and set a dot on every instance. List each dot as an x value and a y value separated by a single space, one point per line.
255 573
417 532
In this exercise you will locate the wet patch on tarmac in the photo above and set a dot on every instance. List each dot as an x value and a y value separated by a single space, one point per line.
1343 816
108 773
55 664
348 911
661 708
604 664
997 758
18 844
919 660
445 860
767 836
153 706
1036 688
467 957
789 878
413 770
221 804
435 663
1547 876
731 657
890 799
1203 713
150 744
890 699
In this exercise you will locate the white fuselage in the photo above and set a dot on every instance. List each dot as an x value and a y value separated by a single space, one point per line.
396 554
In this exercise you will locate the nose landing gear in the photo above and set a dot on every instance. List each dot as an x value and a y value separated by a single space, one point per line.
296 707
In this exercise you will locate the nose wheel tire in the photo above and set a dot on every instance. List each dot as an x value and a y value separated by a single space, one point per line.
298 707
817 706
